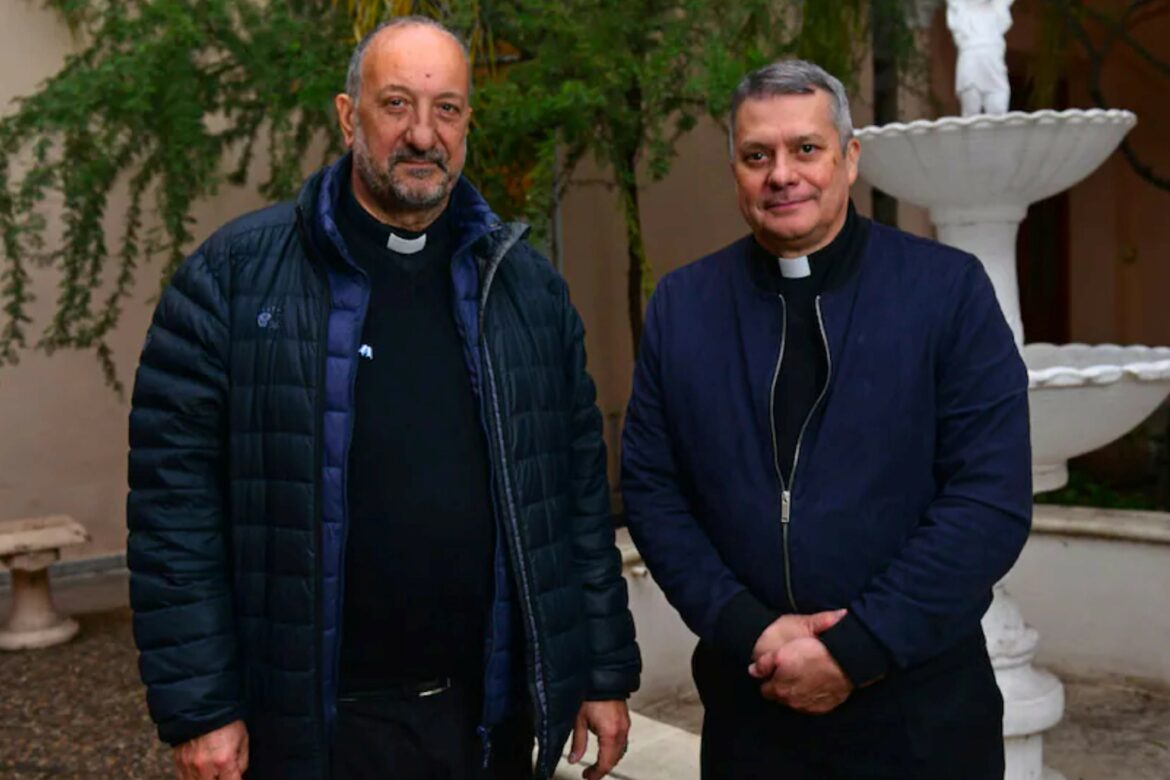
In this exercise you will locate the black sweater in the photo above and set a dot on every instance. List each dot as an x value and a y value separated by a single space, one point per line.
420 538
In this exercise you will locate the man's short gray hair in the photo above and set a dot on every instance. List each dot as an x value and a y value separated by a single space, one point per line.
793 77
353 76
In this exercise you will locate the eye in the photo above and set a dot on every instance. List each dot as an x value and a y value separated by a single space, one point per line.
807 149
754 157
450 109
395 102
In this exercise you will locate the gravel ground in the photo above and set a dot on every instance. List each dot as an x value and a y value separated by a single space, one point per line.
78 710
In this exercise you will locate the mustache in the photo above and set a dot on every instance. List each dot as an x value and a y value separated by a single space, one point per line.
432 156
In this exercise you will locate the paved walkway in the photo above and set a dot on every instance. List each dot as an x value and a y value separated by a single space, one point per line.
1114 728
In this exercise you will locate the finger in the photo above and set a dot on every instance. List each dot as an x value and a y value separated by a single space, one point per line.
242 754
764 666
580 739
823 621
609 752
180 769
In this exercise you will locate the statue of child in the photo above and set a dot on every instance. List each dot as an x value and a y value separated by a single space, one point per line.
981 79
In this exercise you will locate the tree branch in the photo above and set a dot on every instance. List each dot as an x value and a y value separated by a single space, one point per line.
1097 93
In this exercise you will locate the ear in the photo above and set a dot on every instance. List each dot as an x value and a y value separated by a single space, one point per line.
852 158
345 117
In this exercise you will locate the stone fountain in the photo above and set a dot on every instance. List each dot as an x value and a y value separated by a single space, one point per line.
977 174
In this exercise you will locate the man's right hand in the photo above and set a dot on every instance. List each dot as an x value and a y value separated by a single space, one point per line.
784 629
217 755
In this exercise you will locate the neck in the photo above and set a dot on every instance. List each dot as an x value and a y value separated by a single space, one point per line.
416 220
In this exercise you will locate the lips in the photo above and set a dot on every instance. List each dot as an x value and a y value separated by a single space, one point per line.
784 205
435 161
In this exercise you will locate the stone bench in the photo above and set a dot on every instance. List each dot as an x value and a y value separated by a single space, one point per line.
27 547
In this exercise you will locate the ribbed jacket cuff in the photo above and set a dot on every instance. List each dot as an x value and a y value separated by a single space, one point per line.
175 734
607 696
740 624
856 651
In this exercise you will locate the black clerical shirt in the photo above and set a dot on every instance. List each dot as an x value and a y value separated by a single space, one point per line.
419 549
804 364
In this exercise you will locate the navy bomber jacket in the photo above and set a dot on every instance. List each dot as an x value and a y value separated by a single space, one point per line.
912 493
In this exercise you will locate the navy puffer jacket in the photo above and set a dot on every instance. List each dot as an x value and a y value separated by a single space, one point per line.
242 411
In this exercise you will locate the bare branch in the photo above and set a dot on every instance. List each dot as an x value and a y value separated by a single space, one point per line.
1097 93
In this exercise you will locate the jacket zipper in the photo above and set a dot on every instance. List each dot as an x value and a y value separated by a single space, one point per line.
513 521
318 463
786 488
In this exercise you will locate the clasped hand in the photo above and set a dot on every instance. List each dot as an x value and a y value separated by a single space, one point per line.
796 668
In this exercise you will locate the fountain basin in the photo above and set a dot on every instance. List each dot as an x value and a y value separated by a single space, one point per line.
981 161
1082 397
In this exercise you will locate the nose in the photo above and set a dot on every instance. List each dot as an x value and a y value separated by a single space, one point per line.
783 173
421 133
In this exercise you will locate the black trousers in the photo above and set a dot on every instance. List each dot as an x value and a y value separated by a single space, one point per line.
943 719
387 735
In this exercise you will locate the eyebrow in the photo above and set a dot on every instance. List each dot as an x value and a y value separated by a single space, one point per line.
448 95
808 138
755 143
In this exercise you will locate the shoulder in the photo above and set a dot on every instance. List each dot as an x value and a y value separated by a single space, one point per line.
528 271
252 233
710 277
925 263
699 274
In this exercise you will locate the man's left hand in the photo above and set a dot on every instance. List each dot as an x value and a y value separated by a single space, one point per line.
802 675
610 721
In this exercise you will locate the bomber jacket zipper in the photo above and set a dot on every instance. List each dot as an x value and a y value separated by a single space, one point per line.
786 488
526 602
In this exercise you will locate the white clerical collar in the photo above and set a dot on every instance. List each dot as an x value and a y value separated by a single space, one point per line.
794 267
406 246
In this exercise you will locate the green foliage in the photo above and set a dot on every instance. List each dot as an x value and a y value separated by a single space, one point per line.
621 80
160 97
1083 489
169 99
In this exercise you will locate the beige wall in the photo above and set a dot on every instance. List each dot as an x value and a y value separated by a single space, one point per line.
62 431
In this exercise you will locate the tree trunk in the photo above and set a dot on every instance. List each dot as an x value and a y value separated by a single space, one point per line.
885 95
635 250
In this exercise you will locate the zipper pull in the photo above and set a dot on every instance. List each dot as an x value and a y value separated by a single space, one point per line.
785 507
485 736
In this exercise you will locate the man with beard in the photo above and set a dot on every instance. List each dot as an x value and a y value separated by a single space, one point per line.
369 528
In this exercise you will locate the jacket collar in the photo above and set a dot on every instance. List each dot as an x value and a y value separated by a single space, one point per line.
472 218
833 265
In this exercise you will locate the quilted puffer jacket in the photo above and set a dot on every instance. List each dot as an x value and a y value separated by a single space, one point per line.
242 412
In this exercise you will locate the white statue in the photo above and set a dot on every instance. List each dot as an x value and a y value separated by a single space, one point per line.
981 78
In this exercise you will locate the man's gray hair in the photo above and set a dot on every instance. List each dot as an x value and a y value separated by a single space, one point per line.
793 77
353 76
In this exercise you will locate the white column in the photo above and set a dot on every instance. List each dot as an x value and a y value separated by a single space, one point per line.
1033 699
989 233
